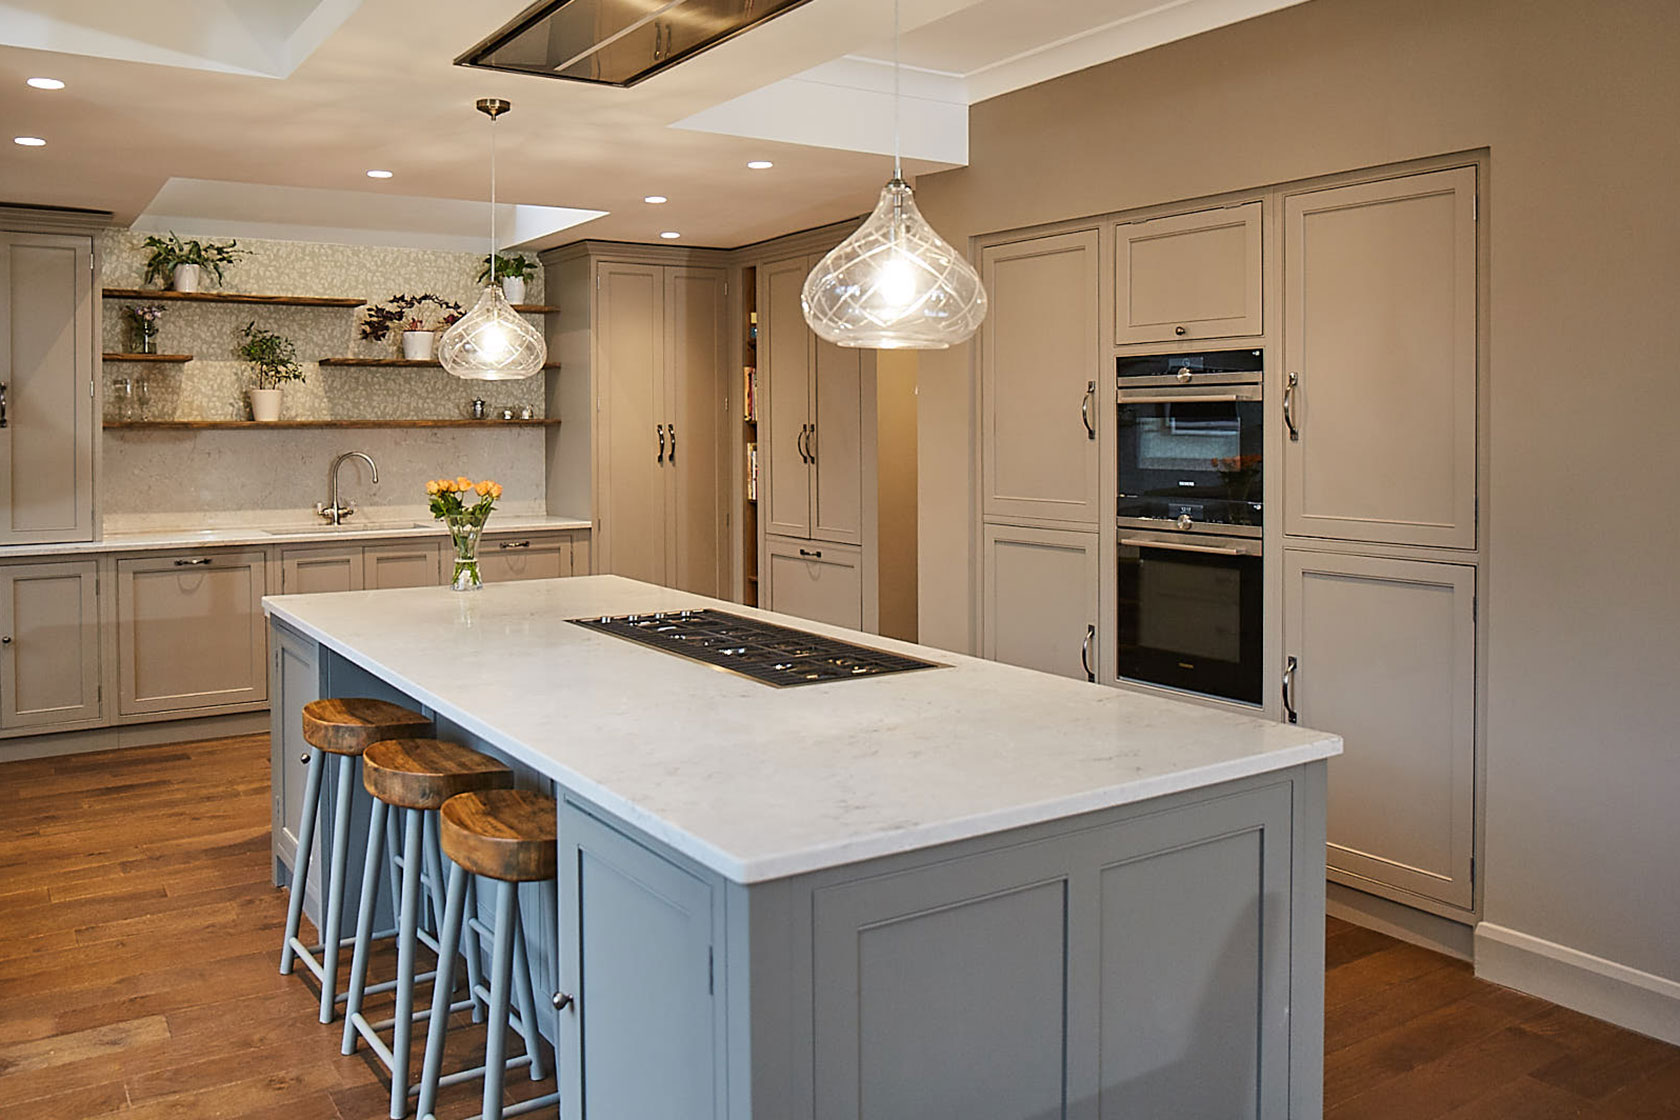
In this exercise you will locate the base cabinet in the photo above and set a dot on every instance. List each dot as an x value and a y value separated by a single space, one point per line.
49 645
502 559
1384 655
814 580
1040 600
190 631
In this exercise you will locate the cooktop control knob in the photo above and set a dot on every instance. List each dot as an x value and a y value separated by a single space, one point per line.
1184 521
1184 374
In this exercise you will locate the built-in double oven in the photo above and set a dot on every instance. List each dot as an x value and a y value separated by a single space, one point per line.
1189 519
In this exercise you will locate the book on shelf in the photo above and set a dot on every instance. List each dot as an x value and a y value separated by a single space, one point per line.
752 472
749 394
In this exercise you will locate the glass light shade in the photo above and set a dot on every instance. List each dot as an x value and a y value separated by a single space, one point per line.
492 342
895 284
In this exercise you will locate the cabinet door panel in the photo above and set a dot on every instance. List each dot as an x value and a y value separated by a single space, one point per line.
310 570
636 951
1039 377
514 558
295 681
190 632
1189 276
49 664
1385 653
822 582
1380 333
1041 599
47 366
582 558
836 445
402 565
785 354
631 354
694 302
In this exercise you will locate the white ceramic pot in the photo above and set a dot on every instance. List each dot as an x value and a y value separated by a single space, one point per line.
513 287
417 345
265 404
185 278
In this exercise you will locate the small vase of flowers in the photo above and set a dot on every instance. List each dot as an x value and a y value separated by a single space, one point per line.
145 320
274 359
449 498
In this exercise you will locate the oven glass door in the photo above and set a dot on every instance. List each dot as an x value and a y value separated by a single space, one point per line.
1191 619
1196 456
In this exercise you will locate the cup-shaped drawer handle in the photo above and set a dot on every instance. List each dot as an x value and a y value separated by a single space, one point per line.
200 562
514 544
810 555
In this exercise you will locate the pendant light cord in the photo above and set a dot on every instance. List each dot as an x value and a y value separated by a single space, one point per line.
898 164
492 200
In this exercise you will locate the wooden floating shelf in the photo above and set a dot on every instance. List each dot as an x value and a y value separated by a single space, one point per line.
398 363
232 297
230 425
176 358
536 308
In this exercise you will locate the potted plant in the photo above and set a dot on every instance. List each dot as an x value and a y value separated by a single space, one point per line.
407 312
181 263
512 271
274 358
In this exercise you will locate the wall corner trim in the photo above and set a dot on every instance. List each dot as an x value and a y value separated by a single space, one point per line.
1604 989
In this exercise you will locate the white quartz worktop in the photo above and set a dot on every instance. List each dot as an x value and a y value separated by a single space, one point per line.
757 782
165 538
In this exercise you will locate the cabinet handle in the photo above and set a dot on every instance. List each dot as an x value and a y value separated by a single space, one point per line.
672 458
660 428
1289 386
1289 690
799 442
1085 409
1181 331
562 1000
514 544
3 421
809 555
1085 652
200 562
811 445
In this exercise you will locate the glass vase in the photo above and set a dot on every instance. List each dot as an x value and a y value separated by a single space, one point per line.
148 336
465 536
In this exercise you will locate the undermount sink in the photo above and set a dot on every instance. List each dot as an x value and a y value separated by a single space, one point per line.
351 526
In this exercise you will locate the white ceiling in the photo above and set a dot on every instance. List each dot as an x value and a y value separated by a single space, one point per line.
268 113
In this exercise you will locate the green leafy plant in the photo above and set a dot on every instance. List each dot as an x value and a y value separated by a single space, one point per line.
515 267
405 312
169 251
273 356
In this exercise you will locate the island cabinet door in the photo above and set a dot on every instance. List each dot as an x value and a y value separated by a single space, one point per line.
1138 969
49 645
642 1037
190 632
295 680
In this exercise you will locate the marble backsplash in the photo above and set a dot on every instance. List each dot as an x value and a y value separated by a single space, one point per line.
217 472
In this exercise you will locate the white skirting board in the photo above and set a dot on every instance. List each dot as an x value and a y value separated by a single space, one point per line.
1639 1001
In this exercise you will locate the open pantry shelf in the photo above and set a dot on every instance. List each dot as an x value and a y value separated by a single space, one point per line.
232 297
175 359
398 363
230 425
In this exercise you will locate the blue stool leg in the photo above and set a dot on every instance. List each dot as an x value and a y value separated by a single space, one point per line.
300 863
437 1026
523 995
474 953
406 940
434 871
501 980
335 886
364 926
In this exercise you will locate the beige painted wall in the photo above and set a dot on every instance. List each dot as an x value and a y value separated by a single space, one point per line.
1577 104
895 481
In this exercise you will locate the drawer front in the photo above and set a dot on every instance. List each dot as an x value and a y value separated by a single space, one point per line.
190 632
524 556
821 582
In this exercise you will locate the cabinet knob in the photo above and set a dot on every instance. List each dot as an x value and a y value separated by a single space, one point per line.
561 1001
1180 331
304 758
6 641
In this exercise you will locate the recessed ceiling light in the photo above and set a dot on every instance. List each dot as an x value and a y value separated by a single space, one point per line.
760 164
29 141
379 174
670 235
45 83
656 199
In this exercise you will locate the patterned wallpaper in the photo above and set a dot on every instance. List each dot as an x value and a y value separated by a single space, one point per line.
263 471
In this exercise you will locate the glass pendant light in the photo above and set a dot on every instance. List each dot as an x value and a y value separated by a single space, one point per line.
492 342
895 284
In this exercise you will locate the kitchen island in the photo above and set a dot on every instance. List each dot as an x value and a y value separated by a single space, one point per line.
967 891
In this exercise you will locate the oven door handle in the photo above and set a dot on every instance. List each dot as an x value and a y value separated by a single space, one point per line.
1085 409
1174 546
1133 397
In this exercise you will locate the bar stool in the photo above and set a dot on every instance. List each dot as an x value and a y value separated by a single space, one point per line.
410 779
344 727
507 836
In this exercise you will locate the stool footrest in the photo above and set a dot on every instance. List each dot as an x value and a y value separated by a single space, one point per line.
477 1072
308 954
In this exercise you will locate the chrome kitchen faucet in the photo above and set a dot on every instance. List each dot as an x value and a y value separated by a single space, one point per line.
338 510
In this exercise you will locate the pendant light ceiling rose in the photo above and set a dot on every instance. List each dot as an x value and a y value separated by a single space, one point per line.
492 342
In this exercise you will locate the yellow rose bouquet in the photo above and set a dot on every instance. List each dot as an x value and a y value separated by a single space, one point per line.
449 498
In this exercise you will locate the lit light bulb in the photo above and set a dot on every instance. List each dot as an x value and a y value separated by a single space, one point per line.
896 282
492 343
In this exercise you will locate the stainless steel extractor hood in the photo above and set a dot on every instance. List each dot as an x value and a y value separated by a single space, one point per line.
615 42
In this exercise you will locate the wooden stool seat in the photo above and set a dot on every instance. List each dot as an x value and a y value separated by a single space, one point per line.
504 834
424 773
348 725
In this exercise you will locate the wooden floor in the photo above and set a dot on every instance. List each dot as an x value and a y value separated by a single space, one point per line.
139 937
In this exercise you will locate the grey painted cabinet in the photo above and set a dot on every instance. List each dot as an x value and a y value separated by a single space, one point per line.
1380 343
644 1036
1040 600
1189 276
48 355
190 631
1040 379
294 680
1385 656
49 645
